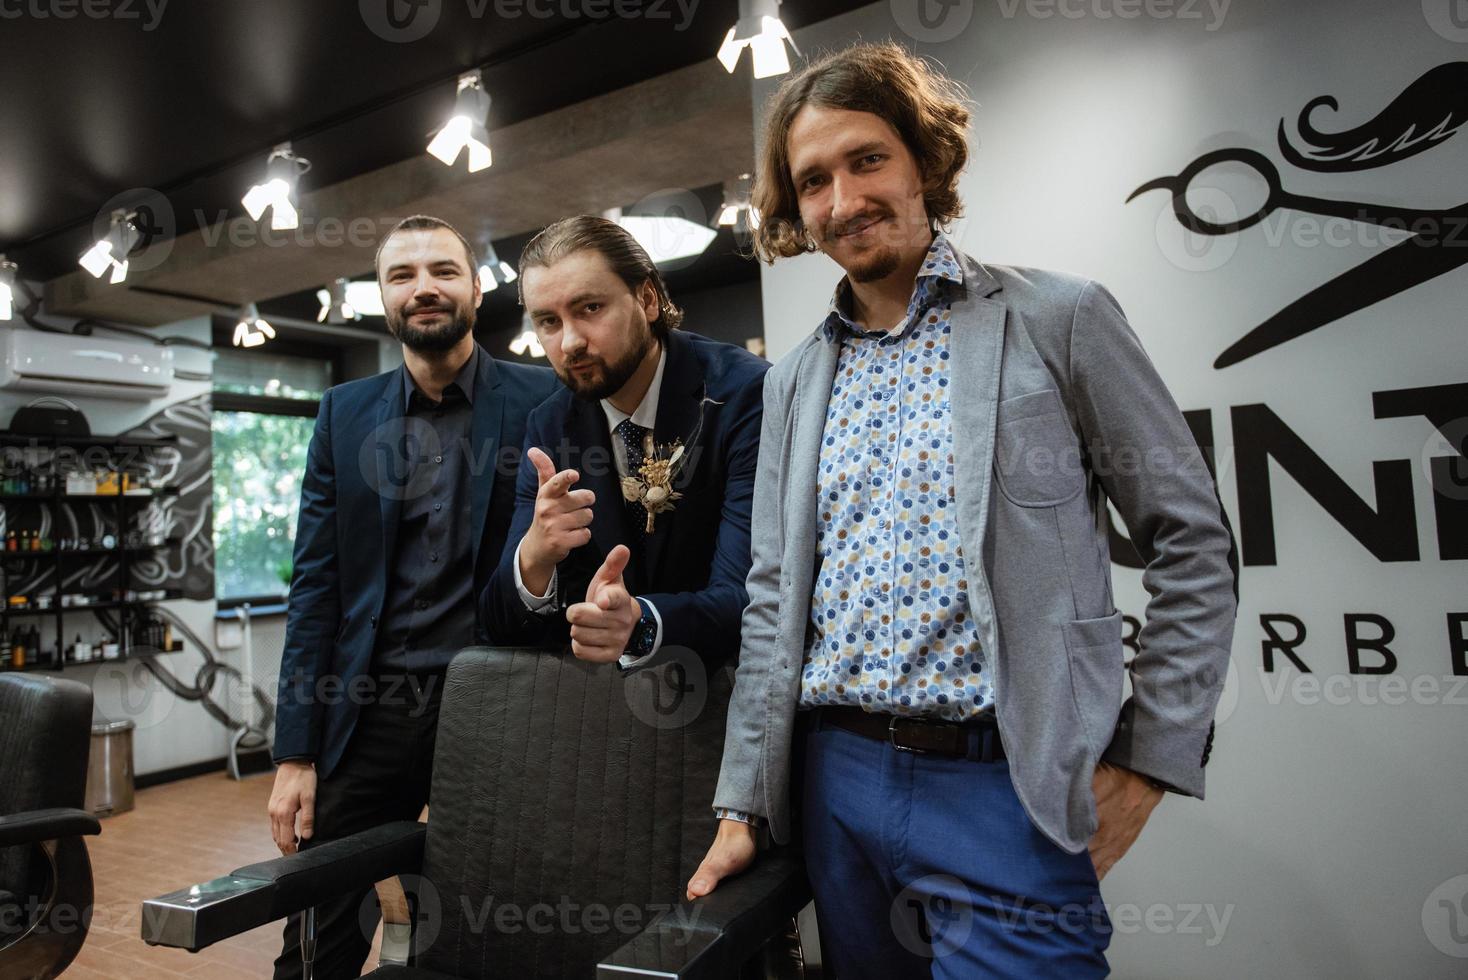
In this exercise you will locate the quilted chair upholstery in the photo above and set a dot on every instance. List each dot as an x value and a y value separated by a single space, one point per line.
45 875
560 783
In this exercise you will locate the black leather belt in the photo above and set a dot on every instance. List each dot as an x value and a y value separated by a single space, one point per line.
977 740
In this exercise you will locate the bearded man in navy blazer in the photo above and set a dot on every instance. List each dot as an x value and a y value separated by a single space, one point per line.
405 505
608 551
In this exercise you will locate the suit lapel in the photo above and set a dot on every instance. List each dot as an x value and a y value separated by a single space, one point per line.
808 406
393 467
484 444
679 403
977 339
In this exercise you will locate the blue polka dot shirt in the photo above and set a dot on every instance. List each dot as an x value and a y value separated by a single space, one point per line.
891 630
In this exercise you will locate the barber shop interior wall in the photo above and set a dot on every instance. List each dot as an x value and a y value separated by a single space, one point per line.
171 732
1324 363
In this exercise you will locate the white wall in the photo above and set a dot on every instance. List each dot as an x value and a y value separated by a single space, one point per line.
1333 828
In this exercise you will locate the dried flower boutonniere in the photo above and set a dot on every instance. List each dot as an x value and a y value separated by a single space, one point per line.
653 485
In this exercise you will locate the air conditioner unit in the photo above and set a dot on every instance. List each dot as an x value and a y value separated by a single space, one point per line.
67 364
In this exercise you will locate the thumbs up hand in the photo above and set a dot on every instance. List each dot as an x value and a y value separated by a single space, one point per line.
602 625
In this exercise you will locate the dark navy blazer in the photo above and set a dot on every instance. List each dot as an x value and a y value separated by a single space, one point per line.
346 534
693 565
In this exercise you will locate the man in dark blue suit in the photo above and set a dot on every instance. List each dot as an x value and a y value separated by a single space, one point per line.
631 529
406 501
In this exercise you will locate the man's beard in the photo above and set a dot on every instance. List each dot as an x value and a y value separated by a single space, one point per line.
880 264
432 339
612 376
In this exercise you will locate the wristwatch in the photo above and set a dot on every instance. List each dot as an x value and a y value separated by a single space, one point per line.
644 634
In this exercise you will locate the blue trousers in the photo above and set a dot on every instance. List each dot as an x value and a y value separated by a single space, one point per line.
928 866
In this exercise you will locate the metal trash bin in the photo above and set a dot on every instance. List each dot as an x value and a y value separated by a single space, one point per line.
110 768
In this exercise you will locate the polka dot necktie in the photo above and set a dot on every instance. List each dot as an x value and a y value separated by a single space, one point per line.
632 438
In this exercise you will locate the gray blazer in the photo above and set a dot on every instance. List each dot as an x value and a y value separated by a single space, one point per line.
1056 407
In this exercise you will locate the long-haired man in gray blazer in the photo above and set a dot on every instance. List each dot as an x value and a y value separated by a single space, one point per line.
931 641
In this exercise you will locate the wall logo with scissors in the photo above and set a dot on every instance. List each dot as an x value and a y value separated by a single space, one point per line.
1429 111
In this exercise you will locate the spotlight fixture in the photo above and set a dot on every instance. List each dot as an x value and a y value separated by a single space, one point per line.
335 307
665 237
760 29
466 127
494 271
357 298
527 341
736 211
7 288
278 190
251 331
110 251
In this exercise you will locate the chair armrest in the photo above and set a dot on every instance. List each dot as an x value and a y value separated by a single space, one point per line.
195 917
716 935
34 826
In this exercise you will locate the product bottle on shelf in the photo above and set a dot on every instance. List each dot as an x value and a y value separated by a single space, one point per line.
17 649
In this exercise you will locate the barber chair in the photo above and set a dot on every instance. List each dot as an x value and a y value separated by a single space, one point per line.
571 804
45 875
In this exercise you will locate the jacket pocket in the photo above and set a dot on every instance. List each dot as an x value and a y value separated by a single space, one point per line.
1097 671
1036 455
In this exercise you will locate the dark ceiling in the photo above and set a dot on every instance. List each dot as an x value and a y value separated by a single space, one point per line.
189 102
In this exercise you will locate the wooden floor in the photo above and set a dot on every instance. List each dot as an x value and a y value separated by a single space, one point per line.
179 834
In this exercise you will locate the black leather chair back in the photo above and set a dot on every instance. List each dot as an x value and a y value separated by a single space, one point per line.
571 803
45 740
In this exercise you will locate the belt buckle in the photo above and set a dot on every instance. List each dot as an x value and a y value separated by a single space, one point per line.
892 738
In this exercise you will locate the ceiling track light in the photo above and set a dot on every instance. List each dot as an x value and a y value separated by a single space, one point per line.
526 342
8 272
760 29
664 237
736 211
335 306
466 128
110 251
494 271
277 191
251 330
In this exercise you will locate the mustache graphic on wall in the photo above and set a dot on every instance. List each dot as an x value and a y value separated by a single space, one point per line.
1426 113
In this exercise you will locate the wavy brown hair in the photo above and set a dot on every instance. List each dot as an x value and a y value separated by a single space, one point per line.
928 110
628 259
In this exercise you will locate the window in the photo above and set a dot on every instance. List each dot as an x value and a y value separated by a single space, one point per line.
264 412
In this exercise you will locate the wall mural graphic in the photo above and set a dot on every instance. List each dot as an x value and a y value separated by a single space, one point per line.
185 566
1429 111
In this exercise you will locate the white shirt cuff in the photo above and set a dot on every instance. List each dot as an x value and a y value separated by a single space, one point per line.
627 660
542 604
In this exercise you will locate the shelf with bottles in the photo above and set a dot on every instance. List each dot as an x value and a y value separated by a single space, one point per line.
25 545
22 648
47 604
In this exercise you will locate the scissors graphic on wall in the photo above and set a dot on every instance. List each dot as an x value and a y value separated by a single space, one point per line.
1426 113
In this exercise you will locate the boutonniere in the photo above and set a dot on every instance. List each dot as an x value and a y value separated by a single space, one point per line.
652 487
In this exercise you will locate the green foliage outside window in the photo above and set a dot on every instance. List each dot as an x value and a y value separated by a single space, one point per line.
258 463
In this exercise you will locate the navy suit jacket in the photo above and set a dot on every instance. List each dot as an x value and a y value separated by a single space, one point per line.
351 499
693 565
